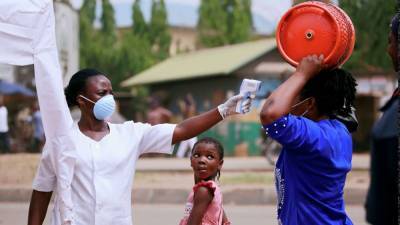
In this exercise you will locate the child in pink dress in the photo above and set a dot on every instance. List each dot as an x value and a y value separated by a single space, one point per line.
204 204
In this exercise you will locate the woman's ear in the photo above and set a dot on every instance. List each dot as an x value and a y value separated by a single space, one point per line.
313 108
79 101
312 103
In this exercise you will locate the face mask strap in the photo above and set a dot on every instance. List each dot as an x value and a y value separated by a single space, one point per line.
305 112
87 99
295 105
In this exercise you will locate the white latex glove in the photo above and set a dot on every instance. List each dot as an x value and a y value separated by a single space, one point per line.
229 107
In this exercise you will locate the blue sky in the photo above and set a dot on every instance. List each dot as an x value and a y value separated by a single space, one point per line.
266 13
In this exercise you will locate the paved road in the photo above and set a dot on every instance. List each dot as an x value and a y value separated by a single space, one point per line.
16 213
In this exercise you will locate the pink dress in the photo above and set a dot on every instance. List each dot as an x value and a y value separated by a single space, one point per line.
214 213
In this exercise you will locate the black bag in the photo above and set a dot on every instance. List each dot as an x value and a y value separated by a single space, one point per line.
349 119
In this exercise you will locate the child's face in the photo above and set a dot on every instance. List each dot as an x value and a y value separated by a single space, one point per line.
205 161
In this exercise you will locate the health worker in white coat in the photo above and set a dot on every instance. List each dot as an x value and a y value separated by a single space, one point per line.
106 153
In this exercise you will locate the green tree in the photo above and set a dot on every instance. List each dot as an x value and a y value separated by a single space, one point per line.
140 27
103 44
108 27
134 56
247 10
159 34
134 51
88 10
86 32
239 21
371 34
100 48
212 23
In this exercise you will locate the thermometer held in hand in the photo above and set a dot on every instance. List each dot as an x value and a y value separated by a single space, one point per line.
248 88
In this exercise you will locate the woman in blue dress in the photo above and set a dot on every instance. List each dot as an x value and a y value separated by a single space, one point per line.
302 115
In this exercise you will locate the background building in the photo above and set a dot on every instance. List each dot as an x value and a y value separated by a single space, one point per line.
210 76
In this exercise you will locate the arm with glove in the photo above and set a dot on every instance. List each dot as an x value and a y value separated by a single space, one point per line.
193 126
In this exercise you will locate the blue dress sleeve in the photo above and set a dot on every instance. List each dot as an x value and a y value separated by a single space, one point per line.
294 132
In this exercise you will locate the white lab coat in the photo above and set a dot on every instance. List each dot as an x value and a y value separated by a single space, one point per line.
104 171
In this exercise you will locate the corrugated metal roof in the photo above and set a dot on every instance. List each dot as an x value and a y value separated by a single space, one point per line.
203 63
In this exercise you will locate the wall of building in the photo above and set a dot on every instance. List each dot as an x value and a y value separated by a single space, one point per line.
183 39
7 72
67 34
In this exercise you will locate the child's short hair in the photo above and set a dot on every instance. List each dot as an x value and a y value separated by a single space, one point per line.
215 142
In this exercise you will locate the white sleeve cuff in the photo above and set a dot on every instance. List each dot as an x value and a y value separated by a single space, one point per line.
44 185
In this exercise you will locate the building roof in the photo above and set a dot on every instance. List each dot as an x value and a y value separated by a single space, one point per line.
203 63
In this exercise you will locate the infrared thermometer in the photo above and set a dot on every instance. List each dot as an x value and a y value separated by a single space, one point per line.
248 88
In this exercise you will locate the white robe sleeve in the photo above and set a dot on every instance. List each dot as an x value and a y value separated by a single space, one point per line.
45 178
27 36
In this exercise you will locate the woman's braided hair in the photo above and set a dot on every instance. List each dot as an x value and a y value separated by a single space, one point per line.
77 84
334 91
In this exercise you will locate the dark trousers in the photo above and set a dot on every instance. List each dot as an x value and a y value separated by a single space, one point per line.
4 142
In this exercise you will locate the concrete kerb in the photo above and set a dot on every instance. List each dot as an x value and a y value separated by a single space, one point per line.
235 196
232 164
231 195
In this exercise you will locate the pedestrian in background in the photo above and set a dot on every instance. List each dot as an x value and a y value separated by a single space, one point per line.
38 131
188 109
382 198
158 114
4 135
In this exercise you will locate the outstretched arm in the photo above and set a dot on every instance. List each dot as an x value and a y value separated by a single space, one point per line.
279 102
38 207
27 36
202 198
196 125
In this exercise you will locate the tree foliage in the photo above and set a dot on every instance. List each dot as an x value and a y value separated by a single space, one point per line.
224 22
86 30
139 25
371 19
118 56
108 26
159 35
212 24
239 21
133 57
88 10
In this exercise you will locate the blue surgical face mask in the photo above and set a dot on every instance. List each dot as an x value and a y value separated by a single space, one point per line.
103 108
